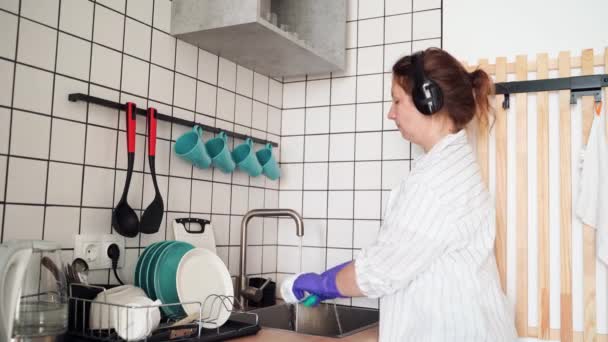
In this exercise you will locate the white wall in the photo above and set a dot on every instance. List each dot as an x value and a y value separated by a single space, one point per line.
476 29
62 164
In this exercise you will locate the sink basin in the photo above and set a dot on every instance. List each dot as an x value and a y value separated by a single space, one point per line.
323 320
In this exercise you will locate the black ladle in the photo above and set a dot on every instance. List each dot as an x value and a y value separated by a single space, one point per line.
124 218
153 215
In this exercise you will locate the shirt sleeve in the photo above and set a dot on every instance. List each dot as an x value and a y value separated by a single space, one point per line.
411 238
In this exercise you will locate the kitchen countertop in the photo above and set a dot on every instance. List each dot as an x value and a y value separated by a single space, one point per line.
269 334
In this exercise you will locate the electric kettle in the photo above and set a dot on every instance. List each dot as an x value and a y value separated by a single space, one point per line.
33 290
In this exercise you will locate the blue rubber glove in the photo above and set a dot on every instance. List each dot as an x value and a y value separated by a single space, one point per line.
323 285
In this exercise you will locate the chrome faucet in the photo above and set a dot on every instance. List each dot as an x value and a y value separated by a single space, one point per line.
260 213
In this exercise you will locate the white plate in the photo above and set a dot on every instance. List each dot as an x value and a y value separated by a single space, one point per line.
201 274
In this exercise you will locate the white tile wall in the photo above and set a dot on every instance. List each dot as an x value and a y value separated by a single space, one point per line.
370 32
398 6
339 153
36 45
62 164
44 12
8 34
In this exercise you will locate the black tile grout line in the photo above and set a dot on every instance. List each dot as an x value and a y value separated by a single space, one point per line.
195 105
228 215
172 109
347 161
340 133
10 128
122 169
441 24
340 104
86 129
304 154
147 123
326 220
276 260
231 175
118 128
234 185
381 133
132 95
394 14
383 113
354 198
217 79
261 219
48 163
233 92
412 51
116 148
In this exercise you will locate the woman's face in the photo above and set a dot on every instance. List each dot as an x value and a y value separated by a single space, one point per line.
411 123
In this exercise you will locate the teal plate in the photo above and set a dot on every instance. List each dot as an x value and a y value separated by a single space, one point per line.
165 272
140 261
147 273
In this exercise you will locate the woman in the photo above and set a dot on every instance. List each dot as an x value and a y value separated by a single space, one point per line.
433 265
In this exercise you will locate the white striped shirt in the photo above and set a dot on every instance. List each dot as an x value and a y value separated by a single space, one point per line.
433 264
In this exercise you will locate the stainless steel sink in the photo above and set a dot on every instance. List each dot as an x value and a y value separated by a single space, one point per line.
324 320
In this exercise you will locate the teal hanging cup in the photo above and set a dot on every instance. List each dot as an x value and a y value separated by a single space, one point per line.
219 153
190 147
269 164
245 158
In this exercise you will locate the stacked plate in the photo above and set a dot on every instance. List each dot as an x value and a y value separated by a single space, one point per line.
175 271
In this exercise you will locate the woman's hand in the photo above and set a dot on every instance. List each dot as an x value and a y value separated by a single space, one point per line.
322 285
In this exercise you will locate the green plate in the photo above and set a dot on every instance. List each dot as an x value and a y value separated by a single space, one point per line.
147 271
165 272
140 261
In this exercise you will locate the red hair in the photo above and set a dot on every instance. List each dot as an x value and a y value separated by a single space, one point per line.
464 94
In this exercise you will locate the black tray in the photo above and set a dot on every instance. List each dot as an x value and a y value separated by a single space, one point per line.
78 330
231 329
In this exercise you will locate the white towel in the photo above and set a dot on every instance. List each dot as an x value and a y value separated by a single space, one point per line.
592 207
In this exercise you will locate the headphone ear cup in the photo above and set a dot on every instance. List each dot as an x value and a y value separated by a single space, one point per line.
420 100
427 97
436 97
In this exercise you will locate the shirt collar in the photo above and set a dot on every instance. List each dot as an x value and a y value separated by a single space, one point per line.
457 138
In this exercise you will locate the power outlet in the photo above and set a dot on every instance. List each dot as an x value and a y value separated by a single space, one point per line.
94 250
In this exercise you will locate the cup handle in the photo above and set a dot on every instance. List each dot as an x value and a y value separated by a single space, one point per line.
269 146
223 136
198 130
249 142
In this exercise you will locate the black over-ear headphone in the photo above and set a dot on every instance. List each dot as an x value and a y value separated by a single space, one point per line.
426 94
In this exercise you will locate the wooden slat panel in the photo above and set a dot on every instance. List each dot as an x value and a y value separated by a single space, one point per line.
565 198
575 62
532 331
521 316
483 133
588 232
578 336
542 137
501 177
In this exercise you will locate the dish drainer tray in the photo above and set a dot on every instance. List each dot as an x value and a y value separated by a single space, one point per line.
81 298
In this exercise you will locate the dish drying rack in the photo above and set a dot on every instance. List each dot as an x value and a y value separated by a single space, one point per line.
81 299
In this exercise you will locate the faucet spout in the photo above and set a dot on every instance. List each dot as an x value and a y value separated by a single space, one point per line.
261 213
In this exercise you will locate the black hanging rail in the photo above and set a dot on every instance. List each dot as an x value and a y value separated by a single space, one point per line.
590 85
162 117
